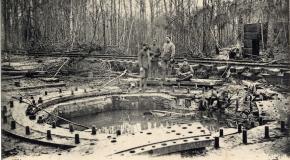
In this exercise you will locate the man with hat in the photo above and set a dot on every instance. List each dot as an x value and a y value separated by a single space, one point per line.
167 56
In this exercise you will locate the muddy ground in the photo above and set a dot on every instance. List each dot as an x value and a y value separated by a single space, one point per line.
277 148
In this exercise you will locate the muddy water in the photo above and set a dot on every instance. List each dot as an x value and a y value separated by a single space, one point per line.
130 121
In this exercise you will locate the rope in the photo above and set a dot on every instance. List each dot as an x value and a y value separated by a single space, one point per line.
61 67
226 70
121 75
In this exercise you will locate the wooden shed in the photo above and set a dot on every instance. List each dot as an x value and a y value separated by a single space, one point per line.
253 39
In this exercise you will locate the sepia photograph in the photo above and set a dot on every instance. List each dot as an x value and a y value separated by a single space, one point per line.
145 79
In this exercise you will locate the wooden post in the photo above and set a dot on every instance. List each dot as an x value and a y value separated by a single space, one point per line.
48 135
239 128
53 124
40 120
283 126
77 139
261 121
13 125
237 105
216 142
118 132
27 130
4 119
252 124
40 100
4 110
71 128
245 138
221 132
94 131
267 132
11 104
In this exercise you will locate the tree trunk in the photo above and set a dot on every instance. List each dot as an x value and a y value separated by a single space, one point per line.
143 20
152 13
129 38
71 23
203 28
5 22
288 4
104 25
165 7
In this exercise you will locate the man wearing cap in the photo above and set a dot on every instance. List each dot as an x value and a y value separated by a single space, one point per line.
184 72
167 56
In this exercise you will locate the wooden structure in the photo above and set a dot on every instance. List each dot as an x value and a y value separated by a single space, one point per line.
255 39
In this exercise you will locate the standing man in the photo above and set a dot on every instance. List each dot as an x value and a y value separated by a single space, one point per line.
144 61
167 56
154 56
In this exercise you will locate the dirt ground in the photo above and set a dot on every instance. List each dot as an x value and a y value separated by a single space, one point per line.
231 149
231 146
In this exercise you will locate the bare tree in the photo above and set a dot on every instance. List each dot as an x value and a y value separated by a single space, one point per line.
72 24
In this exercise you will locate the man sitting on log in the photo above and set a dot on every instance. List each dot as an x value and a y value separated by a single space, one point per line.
185 72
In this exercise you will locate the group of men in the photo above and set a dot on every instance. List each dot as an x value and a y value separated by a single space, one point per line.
153 60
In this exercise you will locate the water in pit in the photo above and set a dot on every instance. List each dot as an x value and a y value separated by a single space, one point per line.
130 121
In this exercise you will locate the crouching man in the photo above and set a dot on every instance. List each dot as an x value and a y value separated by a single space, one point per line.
184 72
144 61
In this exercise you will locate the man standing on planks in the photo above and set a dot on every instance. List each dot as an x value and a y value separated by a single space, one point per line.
167 57
144 62
154 56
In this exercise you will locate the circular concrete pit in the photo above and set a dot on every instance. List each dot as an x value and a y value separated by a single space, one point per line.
67 105
156 138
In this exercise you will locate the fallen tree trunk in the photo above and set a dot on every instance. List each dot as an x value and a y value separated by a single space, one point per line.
36 87
26 73
12 77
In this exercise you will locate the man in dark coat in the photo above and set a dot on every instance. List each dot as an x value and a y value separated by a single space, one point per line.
144 61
